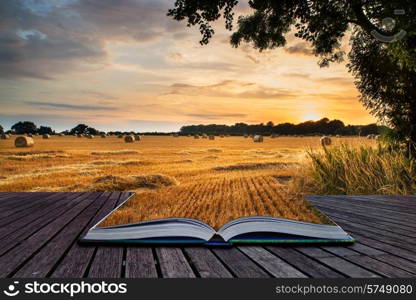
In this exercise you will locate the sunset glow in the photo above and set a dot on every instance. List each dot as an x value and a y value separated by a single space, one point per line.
126 65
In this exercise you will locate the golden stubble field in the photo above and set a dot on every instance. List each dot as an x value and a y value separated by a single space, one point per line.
210 180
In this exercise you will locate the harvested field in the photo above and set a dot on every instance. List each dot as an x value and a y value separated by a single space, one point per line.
212 180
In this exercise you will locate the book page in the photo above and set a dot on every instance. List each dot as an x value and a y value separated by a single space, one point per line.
218 181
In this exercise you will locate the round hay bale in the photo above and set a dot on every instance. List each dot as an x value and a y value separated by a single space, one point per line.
29 135
137 137
196 136
246 136
5 136
23 142
46 136
175 135
61 134
79 135
103 136
337 136
120 136
211 137
129 139
326 141
89 136
258 139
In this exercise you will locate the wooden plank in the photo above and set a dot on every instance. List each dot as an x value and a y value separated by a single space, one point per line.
397 262
18 255
273 264
381 245
103 252
375 201
206 263
389 230
140 263
339 264
41 264
239 264
173 263
77 260
19 220
388 237
364 249
408 217
19 204
393 260
379 267
307 265
36 222
347 268
108 263
368 213
372 222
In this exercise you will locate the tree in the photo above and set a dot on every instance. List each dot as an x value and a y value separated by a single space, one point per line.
24 127
79 129
382 56
1 129
45 130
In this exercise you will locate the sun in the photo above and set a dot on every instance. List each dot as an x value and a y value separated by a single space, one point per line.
311 116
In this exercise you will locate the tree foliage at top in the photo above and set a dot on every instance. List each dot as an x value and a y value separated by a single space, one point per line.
385 72
24 127
84 129
320 127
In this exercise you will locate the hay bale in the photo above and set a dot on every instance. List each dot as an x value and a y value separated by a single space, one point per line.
258 139
46 136
246 136
129 139
61 134
196 136
211 137
23 142
137 137
175 135
371 136
120 136
5 136
79 135
204 136
29 135
89 136
326 141
103 136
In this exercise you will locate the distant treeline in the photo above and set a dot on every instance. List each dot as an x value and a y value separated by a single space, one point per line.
321 127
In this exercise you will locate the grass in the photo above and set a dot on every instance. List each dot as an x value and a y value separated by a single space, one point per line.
211 180
358 170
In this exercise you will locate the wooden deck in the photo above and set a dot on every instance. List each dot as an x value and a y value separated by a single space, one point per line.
39 232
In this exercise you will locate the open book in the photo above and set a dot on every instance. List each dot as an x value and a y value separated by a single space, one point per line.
253 229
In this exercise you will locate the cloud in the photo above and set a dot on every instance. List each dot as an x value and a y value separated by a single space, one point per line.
71 106
41 39
232 89
217 116
300 48
99 95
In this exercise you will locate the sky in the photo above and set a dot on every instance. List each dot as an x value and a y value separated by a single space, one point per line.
125 65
